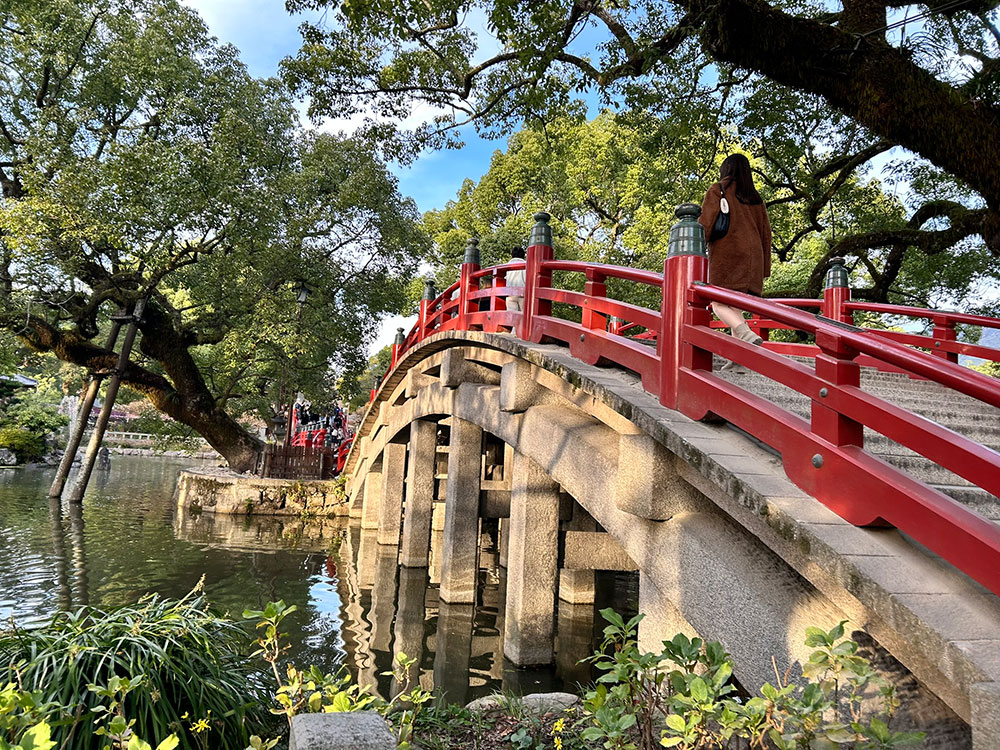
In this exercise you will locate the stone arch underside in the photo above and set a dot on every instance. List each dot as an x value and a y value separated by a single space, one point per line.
725 545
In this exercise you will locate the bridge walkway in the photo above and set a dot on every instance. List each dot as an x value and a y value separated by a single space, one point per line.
746 536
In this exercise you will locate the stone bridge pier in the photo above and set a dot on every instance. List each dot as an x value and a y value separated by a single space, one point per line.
481 446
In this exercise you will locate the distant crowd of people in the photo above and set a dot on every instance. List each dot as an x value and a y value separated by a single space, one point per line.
319 430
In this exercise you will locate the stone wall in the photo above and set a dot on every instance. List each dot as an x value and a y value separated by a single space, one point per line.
221 491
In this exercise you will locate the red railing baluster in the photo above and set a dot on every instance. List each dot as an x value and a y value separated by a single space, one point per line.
425 302
397 347
535 277
837 292
686 263
595 286
466 284
944 330
835 364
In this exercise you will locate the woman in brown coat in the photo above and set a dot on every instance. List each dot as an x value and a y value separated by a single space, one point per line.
742 259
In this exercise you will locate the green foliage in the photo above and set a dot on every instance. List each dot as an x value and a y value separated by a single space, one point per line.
112 722
141 159
168 434
179 659
26 445
612 183
988 368
357 390
23 724
35 411
497 64
683 698
311 691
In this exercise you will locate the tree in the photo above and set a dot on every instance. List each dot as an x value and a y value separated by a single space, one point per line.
358 388
139 160
929 81
611 185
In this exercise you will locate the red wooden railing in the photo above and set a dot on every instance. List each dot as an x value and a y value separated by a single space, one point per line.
824 455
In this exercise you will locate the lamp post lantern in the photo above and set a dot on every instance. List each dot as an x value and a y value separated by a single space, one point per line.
301 296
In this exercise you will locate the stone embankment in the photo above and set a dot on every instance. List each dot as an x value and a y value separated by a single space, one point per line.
221 491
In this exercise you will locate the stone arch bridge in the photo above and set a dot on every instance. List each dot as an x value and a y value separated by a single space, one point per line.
565 453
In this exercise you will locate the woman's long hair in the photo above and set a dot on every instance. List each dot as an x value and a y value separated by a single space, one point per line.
736 168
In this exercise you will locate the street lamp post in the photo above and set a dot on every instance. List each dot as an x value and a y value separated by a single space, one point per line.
301 295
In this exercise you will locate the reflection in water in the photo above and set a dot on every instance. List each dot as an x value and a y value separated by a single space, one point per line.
65 597
75 513
453 648
355 605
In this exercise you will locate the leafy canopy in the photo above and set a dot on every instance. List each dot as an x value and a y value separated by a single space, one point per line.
139 159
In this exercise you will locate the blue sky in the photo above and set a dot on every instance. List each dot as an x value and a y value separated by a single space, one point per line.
265 33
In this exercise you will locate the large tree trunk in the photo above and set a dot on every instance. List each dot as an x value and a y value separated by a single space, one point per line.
182 395
235 444
193 403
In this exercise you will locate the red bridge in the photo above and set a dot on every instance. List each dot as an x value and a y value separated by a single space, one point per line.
825 455
492 415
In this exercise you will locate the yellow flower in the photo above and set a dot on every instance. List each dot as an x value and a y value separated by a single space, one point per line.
200 726
558 726
558 742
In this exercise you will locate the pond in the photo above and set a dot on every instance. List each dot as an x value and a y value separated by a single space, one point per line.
355 606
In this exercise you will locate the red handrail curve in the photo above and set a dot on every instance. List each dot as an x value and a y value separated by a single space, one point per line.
823 455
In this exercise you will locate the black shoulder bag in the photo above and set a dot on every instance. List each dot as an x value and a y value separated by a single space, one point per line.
721 226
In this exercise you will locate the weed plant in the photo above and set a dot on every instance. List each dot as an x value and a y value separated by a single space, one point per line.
191 664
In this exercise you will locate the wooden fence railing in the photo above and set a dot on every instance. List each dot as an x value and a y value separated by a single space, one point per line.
297 462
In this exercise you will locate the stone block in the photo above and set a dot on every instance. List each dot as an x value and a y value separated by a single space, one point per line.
647 483
662 619
531 565
419 494
577 450
985 715
576 586
456 369
459 564
494 503
594 550
518 387
416 381
360 730
391 503
372 499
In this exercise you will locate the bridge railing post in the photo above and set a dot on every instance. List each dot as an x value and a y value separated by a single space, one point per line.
944 330
466 284
835 364
539 250
425 302
686 263
497 303
595 286
397 346
837 291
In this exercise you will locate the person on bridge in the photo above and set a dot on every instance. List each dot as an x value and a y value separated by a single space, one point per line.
515 278
741 259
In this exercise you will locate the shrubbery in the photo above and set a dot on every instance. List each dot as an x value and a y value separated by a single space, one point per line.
36 411
173 672
26 420
169 665
27 446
